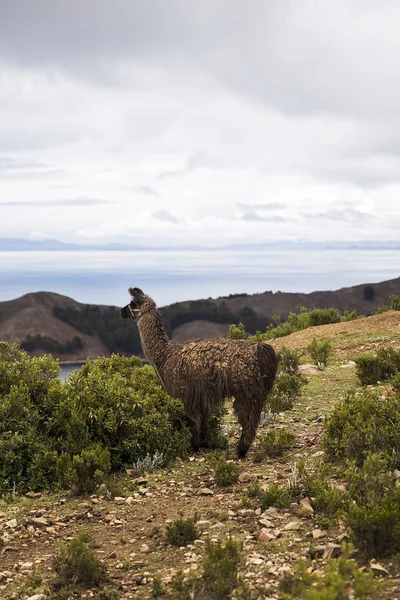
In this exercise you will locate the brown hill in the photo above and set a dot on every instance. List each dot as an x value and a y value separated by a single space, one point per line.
58 320
31 315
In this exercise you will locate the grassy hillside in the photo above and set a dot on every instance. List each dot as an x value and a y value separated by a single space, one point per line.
72 331
129 526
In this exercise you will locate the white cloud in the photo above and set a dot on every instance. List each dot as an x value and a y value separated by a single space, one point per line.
214 122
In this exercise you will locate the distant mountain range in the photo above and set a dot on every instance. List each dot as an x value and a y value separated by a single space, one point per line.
71 331
20 244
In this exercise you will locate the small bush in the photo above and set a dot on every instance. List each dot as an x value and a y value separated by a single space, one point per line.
149 463
374 514
341 575
217 435
363 423
108 593
288 361
237 332
327 501
320 351
275 442
181 532
275 495
396 383
84 473
287 388
220 564
76 564
157 587
394 302
226 473
34 579
379 367
367 369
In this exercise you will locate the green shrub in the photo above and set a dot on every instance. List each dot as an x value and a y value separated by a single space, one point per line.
77 564
320 351
327 501
226 473
217 438
275 495
127 411
157 587
394 302
108 593
181 532
280 496
396 383
343 579
288 361
286 389
379 367
112 403
374 514
220 565
363 423
34 579
237 332
367 369
84 473
275 442
305 318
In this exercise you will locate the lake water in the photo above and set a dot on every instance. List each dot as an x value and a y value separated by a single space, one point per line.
66 369
174 275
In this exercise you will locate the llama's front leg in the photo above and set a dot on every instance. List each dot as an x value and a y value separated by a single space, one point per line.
205 430
194 427
249 418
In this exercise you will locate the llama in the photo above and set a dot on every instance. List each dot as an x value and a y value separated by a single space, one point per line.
204 372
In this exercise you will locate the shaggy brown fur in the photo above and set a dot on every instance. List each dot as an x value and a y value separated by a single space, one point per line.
206 371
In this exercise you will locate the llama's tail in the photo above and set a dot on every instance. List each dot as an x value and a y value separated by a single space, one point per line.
268 362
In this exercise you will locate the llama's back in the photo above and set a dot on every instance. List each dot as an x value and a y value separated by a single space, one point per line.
226 366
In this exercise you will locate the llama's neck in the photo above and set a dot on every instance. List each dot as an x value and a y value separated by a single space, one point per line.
154 338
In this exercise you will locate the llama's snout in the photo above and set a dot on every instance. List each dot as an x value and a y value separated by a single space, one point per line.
125 312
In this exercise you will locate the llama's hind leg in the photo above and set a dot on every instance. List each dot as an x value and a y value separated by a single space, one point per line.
248 413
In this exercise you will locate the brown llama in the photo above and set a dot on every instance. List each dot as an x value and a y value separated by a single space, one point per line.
204 372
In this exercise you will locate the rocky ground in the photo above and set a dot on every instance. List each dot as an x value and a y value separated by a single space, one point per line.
129 529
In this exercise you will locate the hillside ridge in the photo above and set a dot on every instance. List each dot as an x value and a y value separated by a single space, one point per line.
55 320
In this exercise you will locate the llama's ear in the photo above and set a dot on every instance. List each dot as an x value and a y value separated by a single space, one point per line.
136 292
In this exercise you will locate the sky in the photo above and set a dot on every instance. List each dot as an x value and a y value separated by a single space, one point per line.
216 122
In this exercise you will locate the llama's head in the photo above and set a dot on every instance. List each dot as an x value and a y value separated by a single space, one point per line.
139 304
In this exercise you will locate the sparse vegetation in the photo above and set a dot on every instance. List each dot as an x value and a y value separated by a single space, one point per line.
220 567
341 575
304 319
288 383
362 423
76 564
226 473
320 351
280 496
382 366
374 513
182 531
275 442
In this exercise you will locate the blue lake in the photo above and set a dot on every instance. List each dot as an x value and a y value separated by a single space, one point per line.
173 275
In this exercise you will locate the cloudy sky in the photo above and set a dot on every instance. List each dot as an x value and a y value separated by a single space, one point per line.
212 122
